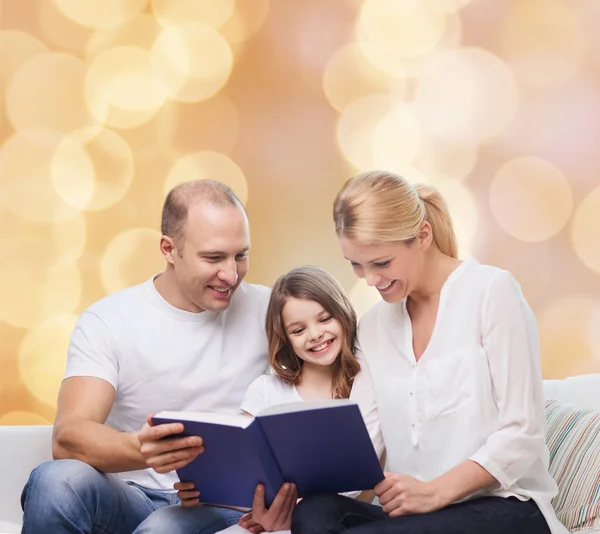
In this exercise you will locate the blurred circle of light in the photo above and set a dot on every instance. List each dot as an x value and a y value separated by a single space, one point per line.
406 28
463 211
72 173
594 331
26 179
212 124
350 75
443 155
452 38
43 357
207 12
397 138
101 13
132 257
563 329
543 41
142 31
59 245
111 169
208 165
60 32
531 199
247 19
356 128
47 93
363 296
32 288
16 49
120 88
584 231
21 418
466 92
446 6
183 68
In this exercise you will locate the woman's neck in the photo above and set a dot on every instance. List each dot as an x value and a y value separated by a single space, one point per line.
438 267
316 382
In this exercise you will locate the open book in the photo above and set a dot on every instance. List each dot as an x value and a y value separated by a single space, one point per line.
322 447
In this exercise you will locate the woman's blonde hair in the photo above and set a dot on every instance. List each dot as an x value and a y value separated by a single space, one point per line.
382 207
312 283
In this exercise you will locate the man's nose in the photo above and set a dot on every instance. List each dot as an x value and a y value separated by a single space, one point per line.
229 273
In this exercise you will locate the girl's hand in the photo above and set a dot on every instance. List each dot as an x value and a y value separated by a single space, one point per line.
247 522
404 494
187 493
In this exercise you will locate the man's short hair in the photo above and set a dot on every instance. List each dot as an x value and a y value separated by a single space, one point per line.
181 197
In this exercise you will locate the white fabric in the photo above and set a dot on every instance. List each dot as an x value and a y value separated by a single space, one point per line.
476 392
266 391
158 357
23 449
270 390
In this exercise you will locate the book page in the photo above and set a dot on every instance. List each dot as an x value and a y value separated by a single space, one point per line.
305 406
227 419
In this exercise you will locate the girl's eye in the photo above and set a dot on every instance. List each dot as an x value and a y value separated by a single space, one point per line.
298 331
382 264
326 319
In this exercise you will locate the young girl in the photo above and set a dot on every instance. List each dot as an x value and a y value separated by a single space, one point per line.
311 332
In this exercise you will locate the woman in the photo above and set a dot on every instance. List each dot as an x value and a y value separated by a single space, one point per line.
454 358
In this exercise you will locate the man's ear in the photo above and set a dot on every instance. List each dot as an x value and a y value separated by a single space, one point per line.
425 235
167 248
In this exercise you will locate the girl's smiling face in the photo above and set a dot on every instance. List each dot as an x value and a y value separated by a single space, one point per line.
314 334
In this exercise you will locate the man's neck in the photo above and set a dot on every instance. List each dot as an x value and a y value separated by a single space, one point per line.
167 287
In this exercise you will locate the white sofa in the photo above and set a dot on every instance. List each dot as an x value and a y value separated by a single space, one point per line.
25 447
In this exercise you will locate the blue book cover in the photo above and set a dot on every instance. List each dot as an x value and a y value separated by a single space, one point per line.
322 447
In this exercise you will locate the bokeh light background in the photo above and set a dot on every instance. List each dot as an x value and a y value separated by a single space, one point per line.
106 104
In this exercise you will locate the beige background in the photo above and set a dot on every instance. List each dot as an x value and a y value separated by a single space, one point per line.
107 104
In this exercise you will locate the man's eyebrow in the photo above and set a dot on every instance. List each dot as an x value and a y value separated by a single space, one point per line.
220 252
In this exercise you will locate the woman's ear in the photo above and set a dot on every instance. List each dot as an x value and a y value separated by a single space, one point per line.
425 236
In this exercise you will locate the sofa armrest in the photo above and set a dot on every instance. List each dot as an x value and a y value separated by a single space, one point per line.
23 448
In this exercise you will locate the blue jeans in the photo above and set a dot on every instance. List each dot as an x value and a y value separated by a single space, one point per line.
196 520
71 497
332 514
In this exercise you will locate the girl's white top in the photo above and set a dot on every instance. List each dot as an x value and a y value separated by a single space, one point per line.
475 393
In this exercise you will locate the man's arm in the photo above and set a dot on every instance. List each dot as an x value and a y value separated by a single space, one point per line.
80 433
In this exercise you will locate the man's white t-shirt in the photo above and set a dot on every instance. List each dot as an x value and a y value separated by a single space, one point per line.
158 357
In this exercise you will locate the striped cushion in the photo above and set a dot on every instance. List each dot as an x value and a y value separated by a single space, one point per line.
573 438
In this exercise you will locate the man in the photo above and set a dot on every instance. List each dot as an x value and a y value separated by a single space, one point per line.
192 338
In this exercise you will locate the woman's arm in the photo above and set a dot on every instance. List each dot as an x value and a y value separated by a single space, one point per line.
510 341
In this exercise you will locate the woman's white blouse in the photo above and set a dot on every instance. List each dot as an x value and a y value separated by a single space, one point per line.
475 393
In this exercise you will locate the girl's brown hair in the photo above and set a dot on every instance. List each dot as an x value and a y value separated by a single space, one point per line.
312 283
382 207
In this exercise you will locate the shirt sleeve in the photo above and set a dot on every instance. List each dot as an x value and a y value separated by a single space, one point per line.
256 398
510 341
363 394
92 351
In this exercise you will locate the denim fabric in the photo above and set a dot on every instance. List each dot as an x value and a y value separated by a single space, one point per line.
69 496
331 514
